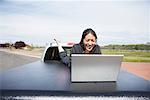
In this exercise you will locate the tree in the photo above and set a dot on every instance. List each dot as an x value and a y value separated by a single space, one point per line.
19 44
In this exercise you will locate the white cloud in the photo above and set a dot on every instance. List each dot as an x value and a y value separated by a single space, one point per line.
117 21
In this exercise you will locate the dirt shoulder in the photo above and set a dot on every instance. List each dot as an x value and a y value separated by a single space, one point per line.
37 52
140 69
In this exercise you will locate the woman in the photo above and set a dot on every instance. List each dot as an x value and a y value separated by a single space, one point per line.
87 45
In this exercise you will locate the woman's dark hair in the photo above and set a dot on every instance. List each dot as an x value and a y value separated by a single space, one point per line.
86 32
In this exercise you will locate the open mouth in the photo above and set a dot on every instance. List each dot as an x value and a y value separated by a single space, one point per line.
89 47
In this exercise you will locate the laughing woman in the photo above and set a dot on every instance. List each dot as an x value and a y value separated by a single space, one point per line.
87 45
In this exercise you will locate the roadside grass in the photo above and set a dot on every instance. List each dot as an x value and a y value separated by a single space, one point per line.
130 55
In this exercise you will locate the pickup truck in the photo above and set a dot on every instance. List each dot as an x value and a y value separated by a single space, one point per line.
49 76
51 52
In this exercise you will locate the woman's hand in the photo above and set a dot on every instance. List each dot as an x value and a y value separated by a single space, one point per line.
59 46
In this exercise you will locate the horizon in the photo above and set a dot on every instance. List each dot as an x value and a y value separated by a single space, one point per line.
37 45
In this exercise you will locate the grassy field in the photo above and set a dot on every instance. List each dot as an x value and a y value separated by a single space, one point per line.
130 56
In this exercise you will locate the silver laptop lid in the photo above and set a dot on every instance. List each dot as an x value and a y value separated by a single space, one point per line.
95 67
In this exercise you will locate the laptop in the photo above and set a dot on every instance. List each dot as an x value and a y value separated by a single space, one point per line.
95 67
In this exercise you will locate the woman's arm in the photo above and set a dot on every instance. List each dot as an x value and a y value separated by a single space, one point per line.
64 58
63 55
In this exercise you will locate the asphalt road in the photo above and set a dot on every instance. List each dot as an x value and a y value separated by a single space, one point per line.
9 60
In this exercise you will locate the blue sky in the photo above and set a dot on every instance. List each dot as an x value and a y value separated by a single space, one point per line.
37 22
